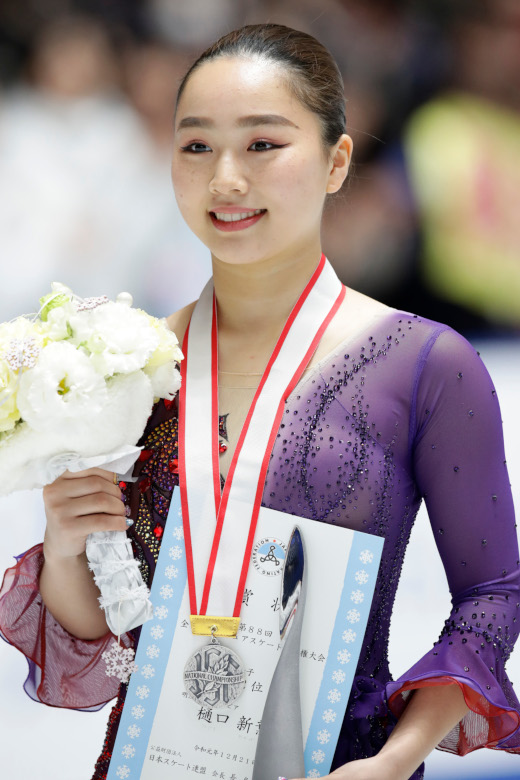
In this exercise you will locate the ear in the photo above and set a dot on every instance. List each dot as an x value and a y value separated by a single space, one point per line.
341 156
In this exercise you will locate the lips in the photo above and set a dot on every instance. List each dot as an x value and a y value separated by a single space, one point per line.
230 220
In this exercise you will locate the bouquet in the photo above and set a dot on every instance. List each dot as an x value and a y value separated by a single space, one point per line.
77 385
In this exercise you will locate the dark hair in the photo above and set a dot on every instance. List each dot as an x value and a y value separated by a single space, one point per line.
315 78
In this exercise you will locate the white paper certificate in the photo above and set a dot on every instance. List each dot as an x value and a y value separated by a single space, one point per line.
165 734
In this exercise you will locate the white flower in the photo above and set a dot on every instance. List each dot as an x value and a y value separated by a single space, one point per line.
9 413
142 692
133 731
152 651
138 712
157 632
353 616
329 716
166 591
58 316
338 676
61 296
128 751
361 577
148 671
357 596
349 635
167 350
171 572
323 736
62 389
318 756
161 612
165 380
120 339
334 696
365 556
122 771
343 656
20 344
175 552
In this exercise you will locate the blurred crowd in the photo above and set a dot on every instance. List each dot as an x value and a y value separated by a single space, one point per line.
427 221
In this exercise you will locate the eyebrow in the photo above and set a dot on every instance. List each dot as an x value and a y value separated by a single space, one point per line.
253 120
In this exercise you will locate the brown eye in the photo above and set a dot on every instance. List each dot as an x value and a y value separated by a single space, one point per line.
264 146
196 148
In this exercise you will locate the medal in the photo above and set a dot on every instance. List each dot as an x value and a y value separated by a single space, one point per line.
214 675
221 528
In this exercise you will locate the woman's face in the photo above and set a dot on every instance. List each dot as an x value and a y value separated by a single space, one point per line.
249 169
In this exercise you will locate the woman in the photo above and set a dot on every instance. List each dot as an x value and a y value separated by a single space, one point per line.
390 409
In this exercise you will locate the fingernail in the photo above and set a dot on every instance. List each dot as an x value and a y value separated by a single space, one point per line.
129 522
123 497
127 511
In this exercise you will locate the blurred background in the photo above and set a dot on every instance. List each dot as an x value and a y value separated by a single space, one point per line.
427 222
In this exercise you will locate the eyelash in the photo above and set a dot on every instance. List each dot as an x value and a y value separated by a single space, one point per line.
269 147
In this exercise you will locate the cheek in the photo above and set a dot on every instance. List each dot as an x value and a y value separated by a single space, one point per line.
302 183
185 187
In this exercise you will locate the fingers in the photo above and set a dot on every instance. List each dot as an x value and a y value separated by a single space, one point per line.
91 483
103 473
103 522
79 504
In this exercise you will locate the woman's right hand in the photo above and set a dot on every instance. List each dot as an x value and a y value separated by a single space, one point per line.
78 504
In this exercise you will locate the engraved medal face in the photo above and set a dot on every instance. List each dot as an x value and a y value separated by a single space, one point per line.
214 676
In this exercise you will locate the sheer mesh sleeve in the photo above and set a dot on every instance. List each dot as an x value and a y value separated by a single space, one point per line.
458 457
63 671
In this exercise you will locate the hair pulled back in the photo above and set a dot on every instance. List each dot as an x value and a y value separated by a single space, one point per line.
312 73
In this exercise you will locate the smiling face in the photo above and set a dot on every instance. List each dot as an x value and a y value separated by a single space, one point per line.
250 171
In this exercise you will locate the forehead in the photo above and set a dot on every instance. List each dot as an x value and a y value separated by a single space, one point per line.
228 87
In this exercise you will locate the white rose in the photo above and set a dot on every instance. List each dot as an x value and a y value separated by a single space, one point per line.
61 388
165 379
59 323
120 340
9 413
168 347
19 330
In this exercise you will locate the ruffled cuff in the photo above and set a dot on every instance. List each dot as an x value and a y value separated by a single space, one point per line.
472 653
63 671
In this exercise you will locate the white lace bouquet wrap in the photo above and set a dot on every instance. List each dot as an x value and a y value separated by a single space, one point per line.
77 385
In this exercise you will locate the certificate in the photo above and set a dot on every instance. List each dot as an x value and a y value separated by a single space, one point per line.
164 733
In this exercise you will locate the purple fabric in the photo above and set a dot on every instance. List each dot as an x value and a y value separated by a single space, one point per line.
405 412
408 412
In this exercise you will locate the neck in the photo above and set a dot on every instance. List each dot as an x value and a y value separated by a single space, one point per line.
254 300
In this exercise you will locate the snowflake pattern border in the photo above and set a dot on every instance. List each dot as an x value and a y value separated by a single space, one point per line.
329 716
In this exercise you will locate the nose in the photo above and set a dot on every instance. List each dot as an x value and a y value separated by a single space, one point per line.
228 176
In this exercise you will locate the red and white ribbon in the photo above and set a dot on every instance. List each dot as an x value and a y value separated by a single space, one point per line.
219 530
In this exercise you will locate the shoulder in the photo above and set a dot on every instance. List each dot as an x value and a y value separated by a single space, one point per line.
178 321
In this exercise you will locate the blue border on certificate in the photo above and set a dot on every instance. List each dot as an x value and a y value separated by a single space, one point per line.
153 652
343 655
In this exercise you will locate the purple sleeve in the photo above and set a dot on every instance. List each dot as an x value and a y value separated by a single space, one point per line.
63 671
460 468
